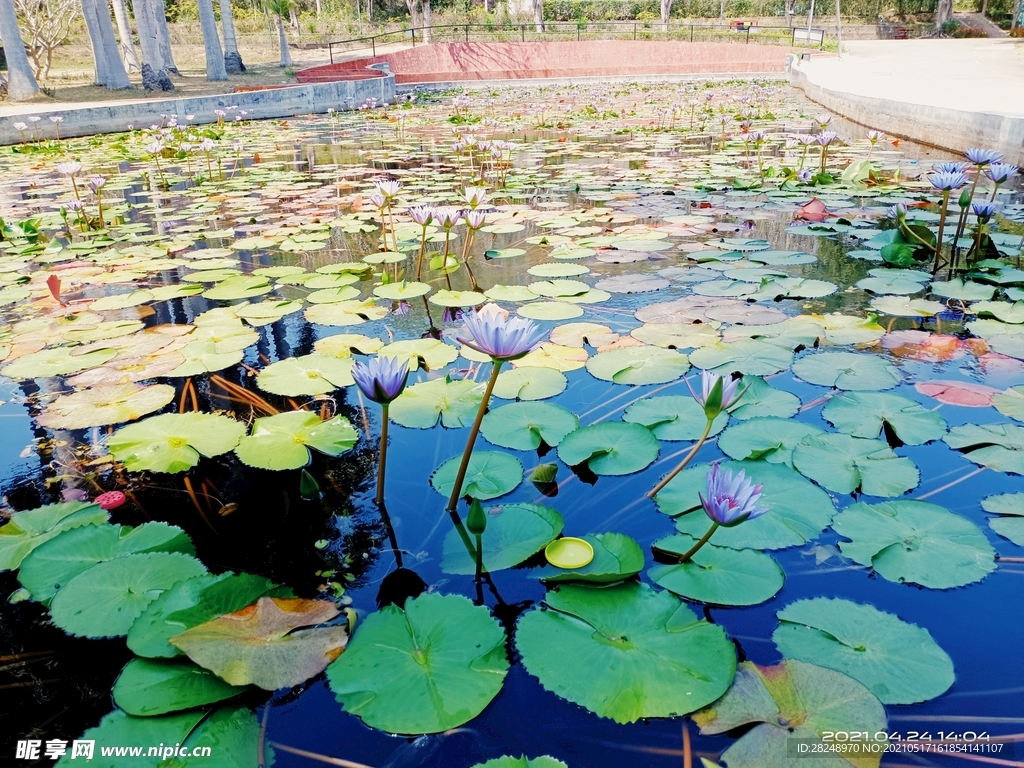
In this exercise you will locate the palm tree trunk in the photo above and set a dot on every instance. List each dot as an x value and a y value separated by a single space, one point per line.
108 67
154 73
124 32
538 15
282 41
666 10
232 58
215 69
21 84
164 37
428 25
943 13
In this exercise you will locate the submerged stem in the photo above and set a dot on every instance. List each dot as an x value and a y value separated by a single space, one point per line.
453 500
686 460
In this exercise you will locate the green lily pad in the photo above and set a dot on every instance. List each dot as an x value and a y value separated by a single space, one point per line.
673 417
283 441
432 354
903 306
1010 403
307 375
188 604
915 542
762 399
510 293
550 310
638 365
997 446
174 442
337 295
445 662
242 287
105 600
514 533
345 313
525 426
616 557
267 312
610 448
455 402
105 404
867 414
444 298
751 357
490 474
845 464
33 527
530 383
766 438
1009 508
146 687
544 761
402 290
798 511
717 575
122 729
847 370
964 290
54 563
898 662
656 659
58 361
791 700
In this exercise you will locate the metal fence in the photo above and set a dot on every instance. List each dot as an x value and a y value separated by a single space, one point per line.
737 31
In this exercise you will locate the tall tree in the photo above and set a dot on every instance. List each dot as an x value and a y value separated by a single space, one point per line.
232 58
164 36
280 9
790 9
943 13
428 23
214 55
124 33
20 82
154 70
46 24
538 15
106 55
666 11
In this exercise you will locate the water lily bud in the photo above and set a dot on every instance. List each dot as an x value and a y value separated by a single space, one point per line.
309 488
476 522
965 198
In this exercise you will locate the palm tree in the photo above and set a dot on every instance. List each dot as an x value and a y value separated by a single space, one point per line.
124 32
154 70
281 9
106 56
232 58
21 84
215 69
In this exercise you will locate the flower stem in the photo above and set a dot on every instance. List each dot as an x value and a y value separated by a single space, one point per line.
942 225
682 465
419 261
453 500
703 540
479 556
383 454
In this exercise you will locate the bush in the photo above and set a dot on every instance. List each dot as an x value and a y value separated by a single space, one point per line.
950 27
1017 32
965 31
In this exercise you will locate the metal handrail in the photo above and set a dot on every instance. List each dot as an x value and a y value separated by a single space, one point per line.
653 27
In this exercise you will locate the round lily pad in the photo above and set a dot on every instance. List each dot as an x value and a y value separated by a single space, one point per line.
147 687
869 414
616 557
638 365
105 404
845 464
997 446
283 441
58 361
522 762
307 375
673 417
762 399
717 575
514 533
490 474
530 383
444 298
174 442
31 528
747 356
656 658
525 426
454 402
610 448
550 310
1009 511
766 438
848 370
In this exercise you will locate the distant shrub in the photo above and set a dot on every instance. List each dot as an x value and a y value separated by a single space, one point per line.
1017 32
950 27
965 31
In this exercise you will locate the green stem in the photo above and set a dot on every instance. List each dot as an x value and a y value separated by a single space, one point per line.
942 225
479 556
453 500
423 247
962 221
703 540
444 259
383 455
682 465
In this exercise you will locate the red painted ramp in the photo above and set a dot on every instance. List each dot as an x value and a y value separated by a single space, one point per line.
591 58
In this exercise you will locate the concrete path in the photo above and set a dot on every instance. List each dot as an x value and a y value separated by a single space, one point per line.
948 93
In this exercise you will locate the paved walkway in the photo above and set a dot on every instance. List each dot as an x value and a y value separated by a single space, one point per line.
948 93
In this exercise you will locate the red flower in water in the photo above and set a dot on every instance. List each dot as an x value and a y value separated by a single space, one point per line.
110 500
812 211
53 283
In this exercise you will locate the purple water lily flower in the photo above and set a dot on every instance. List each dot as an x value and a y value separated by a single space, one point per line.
983 211
730 499
951 167
476 219
947 181
804 176
826 137
383 379
898 211
387 187
423 215
492 331
981 157
1001 173
875 136
717 393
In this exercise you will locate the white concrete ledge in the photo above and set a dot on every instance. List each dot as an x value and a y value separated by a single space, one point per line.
114 117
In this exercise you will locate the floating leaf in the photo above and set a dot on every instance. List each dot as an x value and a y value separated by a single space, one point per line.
915 542
307 375
105 600
656 658
522 762
105 404
550 310
1010 510
454 402
241 287
267 312
283 441
867 414
1010 403
717 575
122 729
902 306
997 446
33 527
431 353
490 474
964 393
555 356
444 660
267 644
845 464
530 383
525 426
798 511
514 533
766 438
174 442
762 399
847 370
747 356
445 298
616 557
146 687
673 417
790 701
638 365
610 448
402 290
58 361
898 662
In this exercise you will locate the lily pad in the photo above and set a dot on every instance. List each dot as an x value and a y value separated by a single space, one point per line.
868 414
307 375
915 542
490 474
272 644
550 310
58 361
638 365
898 662
751 357
1010 403
146 687
283 441
845 464
444 660
455 402
174 442
105 404
610 448
430 353
616 557
525 426
1009 508
33 527
514 533
656 658
530 383
798 511
848 370
673 417
762 399
120 728
996 446
791 700
766 438
444 298
717 575
522 761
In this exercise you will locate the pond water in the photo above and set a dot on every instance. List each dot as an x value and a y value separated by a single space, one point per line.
653 215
